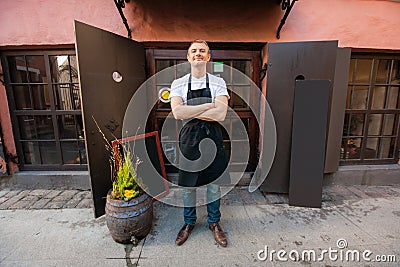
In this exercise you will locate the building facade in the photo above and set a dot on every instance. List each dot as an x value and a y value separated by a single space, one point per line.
41 119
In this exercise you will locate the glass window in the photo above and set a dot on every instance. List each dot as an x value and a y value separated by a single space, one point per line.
36 69
372 111
46 94
18 70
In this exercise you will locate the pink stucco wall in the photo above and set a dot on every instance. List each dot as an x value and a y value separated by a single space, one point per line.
355 23
49 22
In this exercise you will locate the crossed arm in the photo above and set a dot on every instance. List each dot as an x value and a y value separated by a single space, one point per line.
208 112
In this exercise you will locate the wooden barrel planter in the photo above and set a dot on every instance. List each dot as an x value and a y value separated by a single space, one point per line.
127 219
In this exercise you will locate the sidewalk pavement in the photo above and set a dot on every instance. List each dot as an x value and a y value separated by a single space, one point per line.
57 228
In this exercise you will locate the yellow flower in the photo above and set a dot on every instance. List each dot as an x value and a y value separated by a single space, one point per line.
129 193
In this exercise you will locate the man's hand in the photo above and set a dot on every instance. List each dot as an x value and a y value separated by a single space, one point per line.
218 113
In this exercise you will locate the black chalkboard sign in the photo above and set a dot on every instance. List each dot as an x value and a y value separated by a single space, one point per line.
151 170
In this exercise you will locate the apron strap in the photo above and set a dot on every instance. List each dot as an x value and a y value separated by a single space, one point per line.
190 84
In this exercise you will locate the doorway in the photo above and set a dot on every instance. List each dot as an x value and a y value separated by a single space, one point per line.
246 61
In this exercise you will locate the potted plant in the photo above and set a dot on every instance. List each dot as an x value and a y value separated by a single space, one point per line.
129 209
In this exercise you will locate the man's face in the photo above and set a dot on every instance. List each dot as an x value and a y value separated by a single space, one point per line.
198 52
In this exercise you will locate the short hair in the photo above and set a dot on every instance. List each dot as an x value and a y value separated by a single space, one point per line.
199 41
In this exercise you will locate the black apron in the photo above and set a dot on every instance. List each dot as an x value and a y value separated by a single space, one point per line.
190 136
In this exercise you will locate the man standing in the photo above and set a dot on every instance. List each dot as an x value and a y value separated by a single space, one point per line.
201 100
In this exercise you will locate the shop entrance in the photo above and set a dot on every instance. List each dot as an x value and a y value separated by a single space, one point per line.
246 61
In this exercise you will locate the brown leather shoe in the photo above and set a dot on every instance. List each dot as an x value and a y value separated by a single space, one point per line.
219 234
184 234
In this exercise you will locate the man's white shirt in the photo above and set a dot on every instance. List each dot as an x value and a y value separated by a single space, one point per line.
179 87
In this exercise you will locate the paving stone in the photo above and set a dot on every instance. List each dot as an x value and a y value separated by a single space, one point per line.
12 193
396 189
22 204
357 191
31 198
284 198
245 197
65 196
77 198
4 192
258 198
54 205
343 192
273 199
71 204
52 193
88 195
14 199
387 190
69 193
39 192
231 198
3 199
375 192
40 204
85 203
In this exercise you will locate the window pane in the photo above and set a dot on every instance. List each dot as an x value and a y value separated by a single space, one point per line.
170 150
36 127
360 97
383 71
67 96
36 69
240 94
357 124
393 100
69 127
164 74
163 64
31 152
386 148
73 152
49 152
379 97
375 123
395 72
74 69
244 149
226 72
168 130
243 67
41 97
17 68
238 133
363 70
22 97
350 148
371 148
59 67
388 125
348 97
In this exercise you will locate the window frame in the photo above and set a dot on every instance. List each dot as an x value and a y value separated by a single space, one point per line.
375 57
53 112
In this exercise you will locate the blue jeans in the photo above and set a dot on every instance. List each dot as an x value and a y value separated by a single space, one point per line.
213 200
